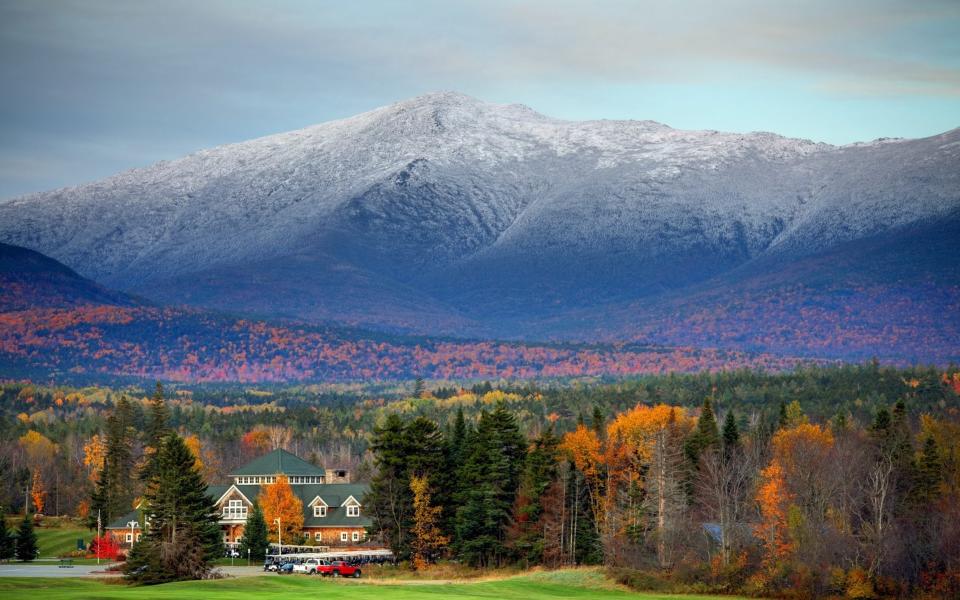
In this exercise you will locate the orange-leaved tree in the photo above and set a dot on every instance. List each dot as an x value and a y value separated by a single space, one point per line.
38 493
794 478
279 502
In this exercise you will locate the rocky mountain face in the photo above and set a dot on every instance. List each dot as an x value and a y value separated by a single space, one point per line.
447 215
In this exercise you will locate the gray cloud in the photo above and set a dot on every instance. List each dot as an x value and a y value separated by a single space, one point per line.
93 87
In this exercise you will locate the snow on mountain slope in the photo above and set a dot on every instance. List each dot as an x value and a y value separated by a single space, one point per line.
468 212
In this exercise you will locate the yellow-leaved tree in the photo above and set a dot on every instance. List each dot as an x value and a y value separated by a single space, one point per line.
427 541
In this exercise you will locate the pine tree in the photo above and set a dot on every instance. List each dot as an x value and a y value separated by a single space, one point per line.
114 490
929 474
418 387
782 418
183 538
158 426
490 475
705 436
389 501
254 542
8 544
27 549
731 433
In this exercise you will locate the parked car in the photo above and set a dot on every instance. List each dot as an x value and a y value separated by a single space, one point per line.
313 566
344 569
286 568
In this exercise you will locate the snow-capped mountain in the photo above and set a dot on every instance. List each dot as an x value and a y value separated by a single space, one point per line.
446 214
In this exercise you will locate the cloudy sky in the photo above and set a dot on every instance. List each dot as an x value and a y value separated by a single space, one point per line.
94 87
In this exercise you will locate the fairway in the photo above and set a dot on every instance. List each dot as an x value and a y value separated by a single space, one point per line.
562 584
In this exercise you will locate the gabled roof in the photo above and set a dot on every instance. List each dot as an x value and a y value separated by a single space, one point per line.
219 497
124 521
278 462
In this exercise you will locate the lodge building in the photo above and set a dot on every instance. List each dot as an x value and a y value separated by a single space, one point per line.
333 512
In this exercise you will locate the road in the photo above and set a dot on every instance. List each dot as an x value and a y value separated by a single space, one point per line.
52 569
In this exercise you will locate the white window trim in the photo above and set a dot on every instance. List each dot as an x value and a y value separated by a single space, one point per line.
343 536
320 510
355 536
353 510
129 538
317 536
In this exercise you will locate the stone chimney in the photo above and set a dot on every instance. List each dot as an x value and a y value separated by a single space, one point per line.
338 476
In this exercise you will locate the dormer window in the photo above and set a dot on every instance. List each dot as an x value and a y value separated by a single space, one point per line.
320 511
353 510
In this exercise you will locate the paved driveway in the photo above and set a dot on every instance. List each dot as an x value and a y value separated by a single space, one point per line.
52 570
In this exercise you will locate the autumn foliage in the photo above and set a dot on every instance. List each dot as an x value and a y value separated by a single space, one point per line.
279 502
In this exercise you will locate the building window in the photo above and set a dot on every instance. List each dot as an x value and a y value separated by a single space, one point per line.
129 538
138 537
318 536
355 536
343 536
319 511
353 511
235 509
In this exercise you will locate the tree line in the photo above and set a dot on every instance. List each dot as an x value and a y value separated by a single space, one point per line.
684 499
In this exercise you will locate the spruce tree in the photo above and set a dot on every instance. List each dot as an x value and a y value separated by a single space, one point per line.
389 501
490 475
929 474
705 436
114 490
255 539
8 544
158 426
731 433
27 549
183 538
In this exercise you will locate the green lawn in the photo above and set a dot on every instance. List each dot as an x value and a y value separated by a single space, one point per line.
54 541
563 584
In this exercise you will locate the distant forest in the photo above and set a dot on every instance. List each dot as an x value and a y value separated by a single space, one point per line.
54 432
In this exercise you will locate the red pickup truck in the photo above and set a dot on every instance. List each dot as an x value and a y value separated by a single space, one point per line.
338 568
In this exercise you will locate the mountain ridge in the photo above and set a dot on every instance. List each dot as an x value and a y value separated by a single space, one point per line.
447 215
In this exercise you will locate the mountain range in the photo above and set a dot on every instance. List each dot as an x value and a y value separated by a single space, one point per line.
447 216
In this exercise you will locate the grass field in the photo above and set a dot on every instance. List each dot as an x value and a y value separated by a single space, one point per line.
559 584
55 541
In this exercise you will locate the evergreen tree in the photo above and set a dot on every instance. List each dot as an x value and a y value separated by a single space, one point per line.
782 418
929 474
8 544
158 426
255 535
490 474
418 387
114 490
597 422
731 433
183 538
705 436
27 549
389 500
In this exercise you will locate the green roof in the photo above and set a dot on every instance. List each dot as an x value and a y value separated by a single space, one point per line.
333 494
278 462
124 521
